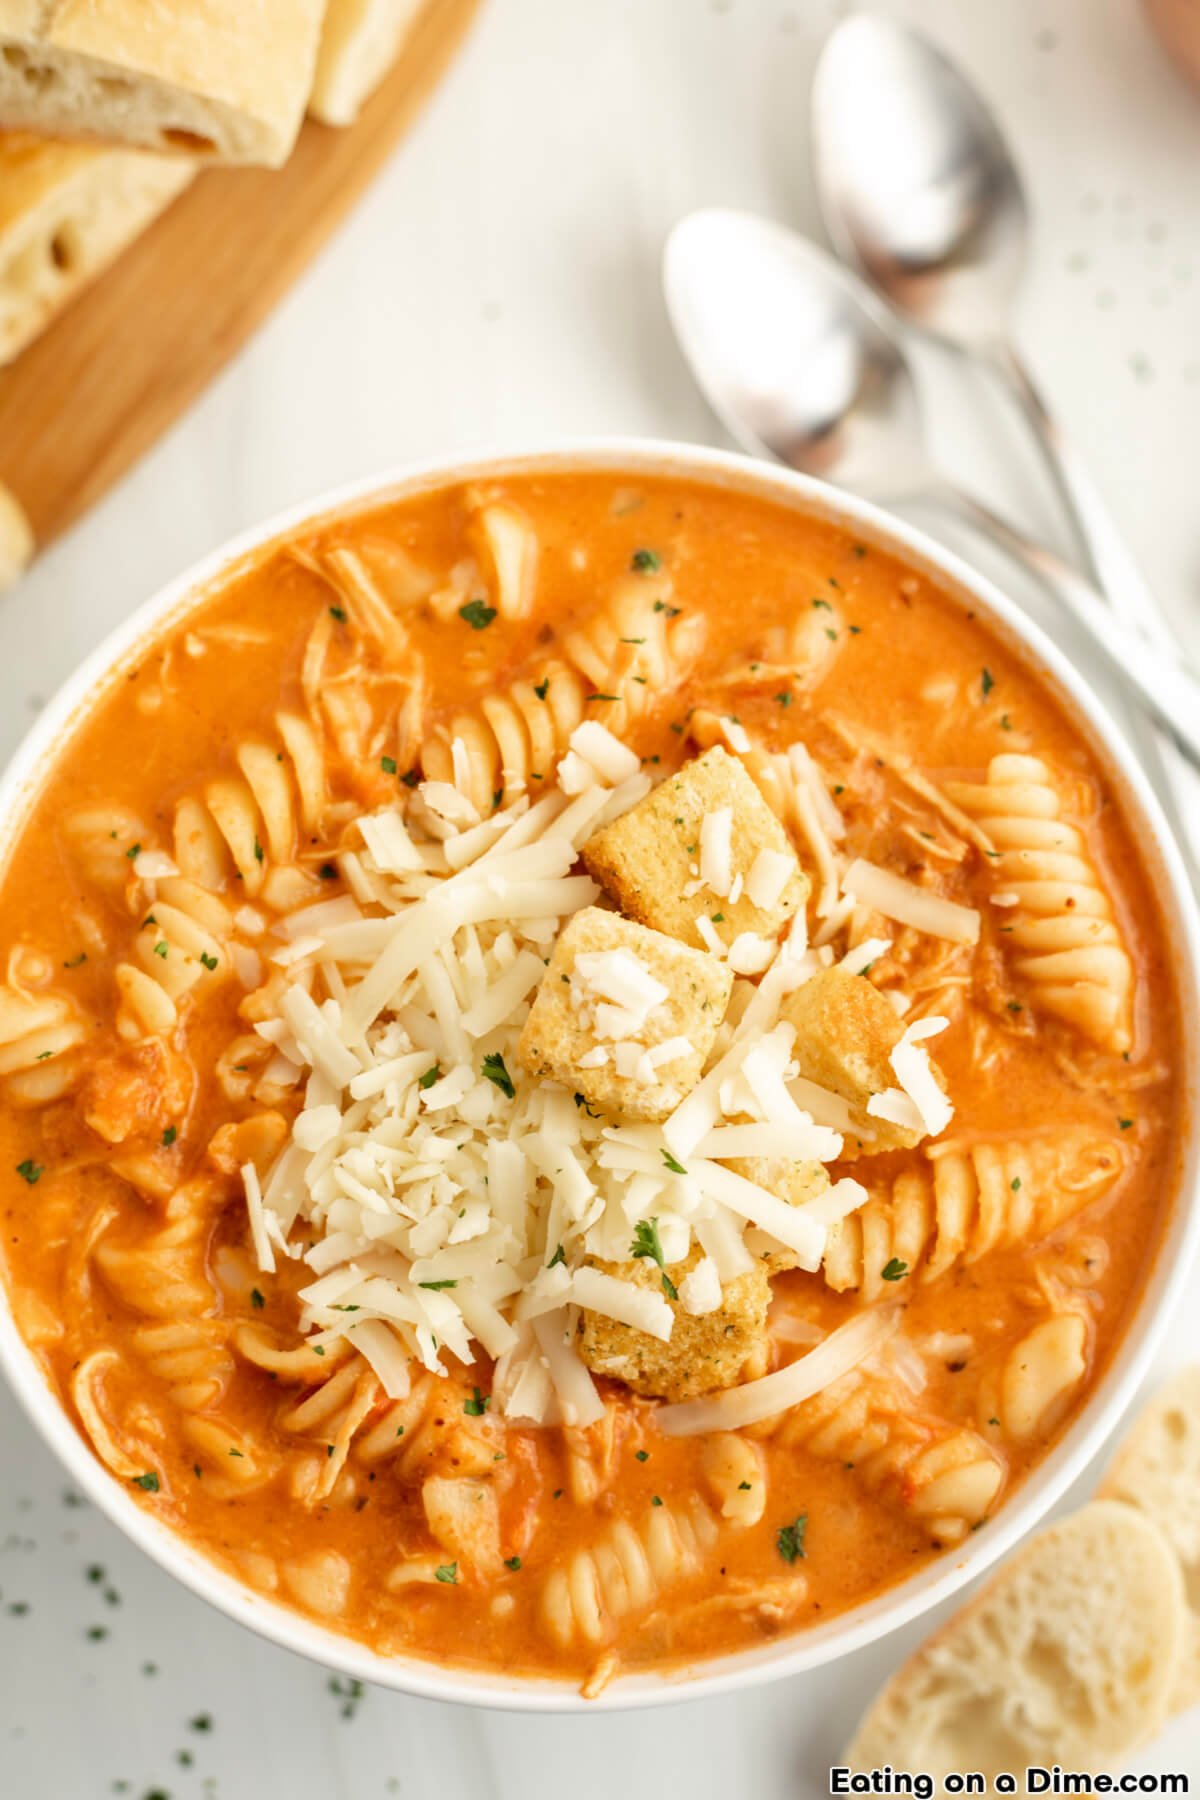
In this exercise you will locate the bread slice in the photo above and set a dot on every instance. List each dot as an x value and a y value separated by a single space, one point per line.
16 538
360 41
223 79
1067 1655
66 210
1157 1468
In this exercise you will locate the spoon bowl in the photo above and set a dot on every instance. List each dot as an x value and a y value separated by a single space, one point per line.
801 366
915 180
792 355
919 189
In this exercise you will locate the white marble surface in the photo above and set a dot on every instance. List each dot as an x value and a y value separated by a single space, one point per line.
500 281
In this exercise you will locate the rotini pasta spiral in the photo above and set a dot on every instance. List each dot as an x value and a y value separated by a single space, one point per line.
512 743
944 1475
38 1031
733 1469
600 1587
1058 923
1028 1393
250 824
181 1338
181 945
342 1392
103 841
973 1199
617 665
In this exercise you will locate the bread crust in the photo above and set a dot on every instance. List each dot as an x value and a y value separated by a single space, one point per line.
1068 1654
214 78
67 210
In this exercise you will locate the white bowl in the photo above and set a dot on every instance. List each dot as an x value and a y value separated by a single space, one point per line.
933 1584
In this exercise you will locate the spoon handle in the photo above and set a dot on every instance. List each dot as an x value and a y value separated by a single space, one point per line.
1106 556
1165 686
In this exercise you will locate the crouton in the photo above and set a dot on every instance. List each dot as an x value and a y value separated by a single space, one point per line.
845 1033
651 859
596 1026
795 1182
716 1350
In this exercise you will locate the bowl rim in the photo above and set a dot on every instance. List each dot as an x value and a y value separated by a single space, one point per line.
906 1600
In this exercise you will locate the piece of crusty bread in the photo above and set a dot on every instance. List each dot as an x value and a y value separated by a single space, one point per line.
1067 1655
66 210
16 537
1157 1468
223 79
360 41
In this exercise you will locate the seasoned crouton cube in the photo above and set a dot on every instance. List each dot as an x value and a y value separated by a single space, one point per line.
845 1033
795 1182
704 1353
624 1015
703 845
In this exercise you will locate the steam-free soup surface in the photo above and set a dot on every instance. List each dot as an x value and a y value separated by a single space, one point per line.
431 661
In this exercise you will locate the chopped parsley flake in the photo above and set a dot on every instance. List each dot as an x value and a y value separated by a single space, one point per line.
388 764
436 1287
542 688
147 1482
646 1243
256 1298
430 1076
209 962
76 960
676 1168
30 1171
477 1405
493 1069
987 682
160 949
789 1539
513 1563
644 562
338 613
169 1136
661 606
447 1572
894 1269
558 1257
642 1455
477 614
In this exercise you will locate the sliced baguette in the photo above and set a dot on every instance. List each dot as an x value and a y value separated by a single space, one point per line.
1067 1655
66 210
16 538
223 79
1157 1468
360 41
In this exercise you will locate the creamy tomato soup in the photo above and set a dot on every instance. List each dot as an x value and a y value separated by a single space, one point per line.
587 1073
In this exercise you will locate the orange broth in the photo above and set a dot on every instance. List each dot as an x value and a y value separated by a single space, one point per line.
883 654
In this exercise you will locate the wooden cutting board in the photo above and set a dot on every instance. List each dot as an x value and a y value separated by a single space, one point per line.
84 401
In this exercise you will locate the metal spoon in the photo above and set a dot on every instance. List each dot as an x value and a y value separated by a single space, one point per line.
801 366
919 189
